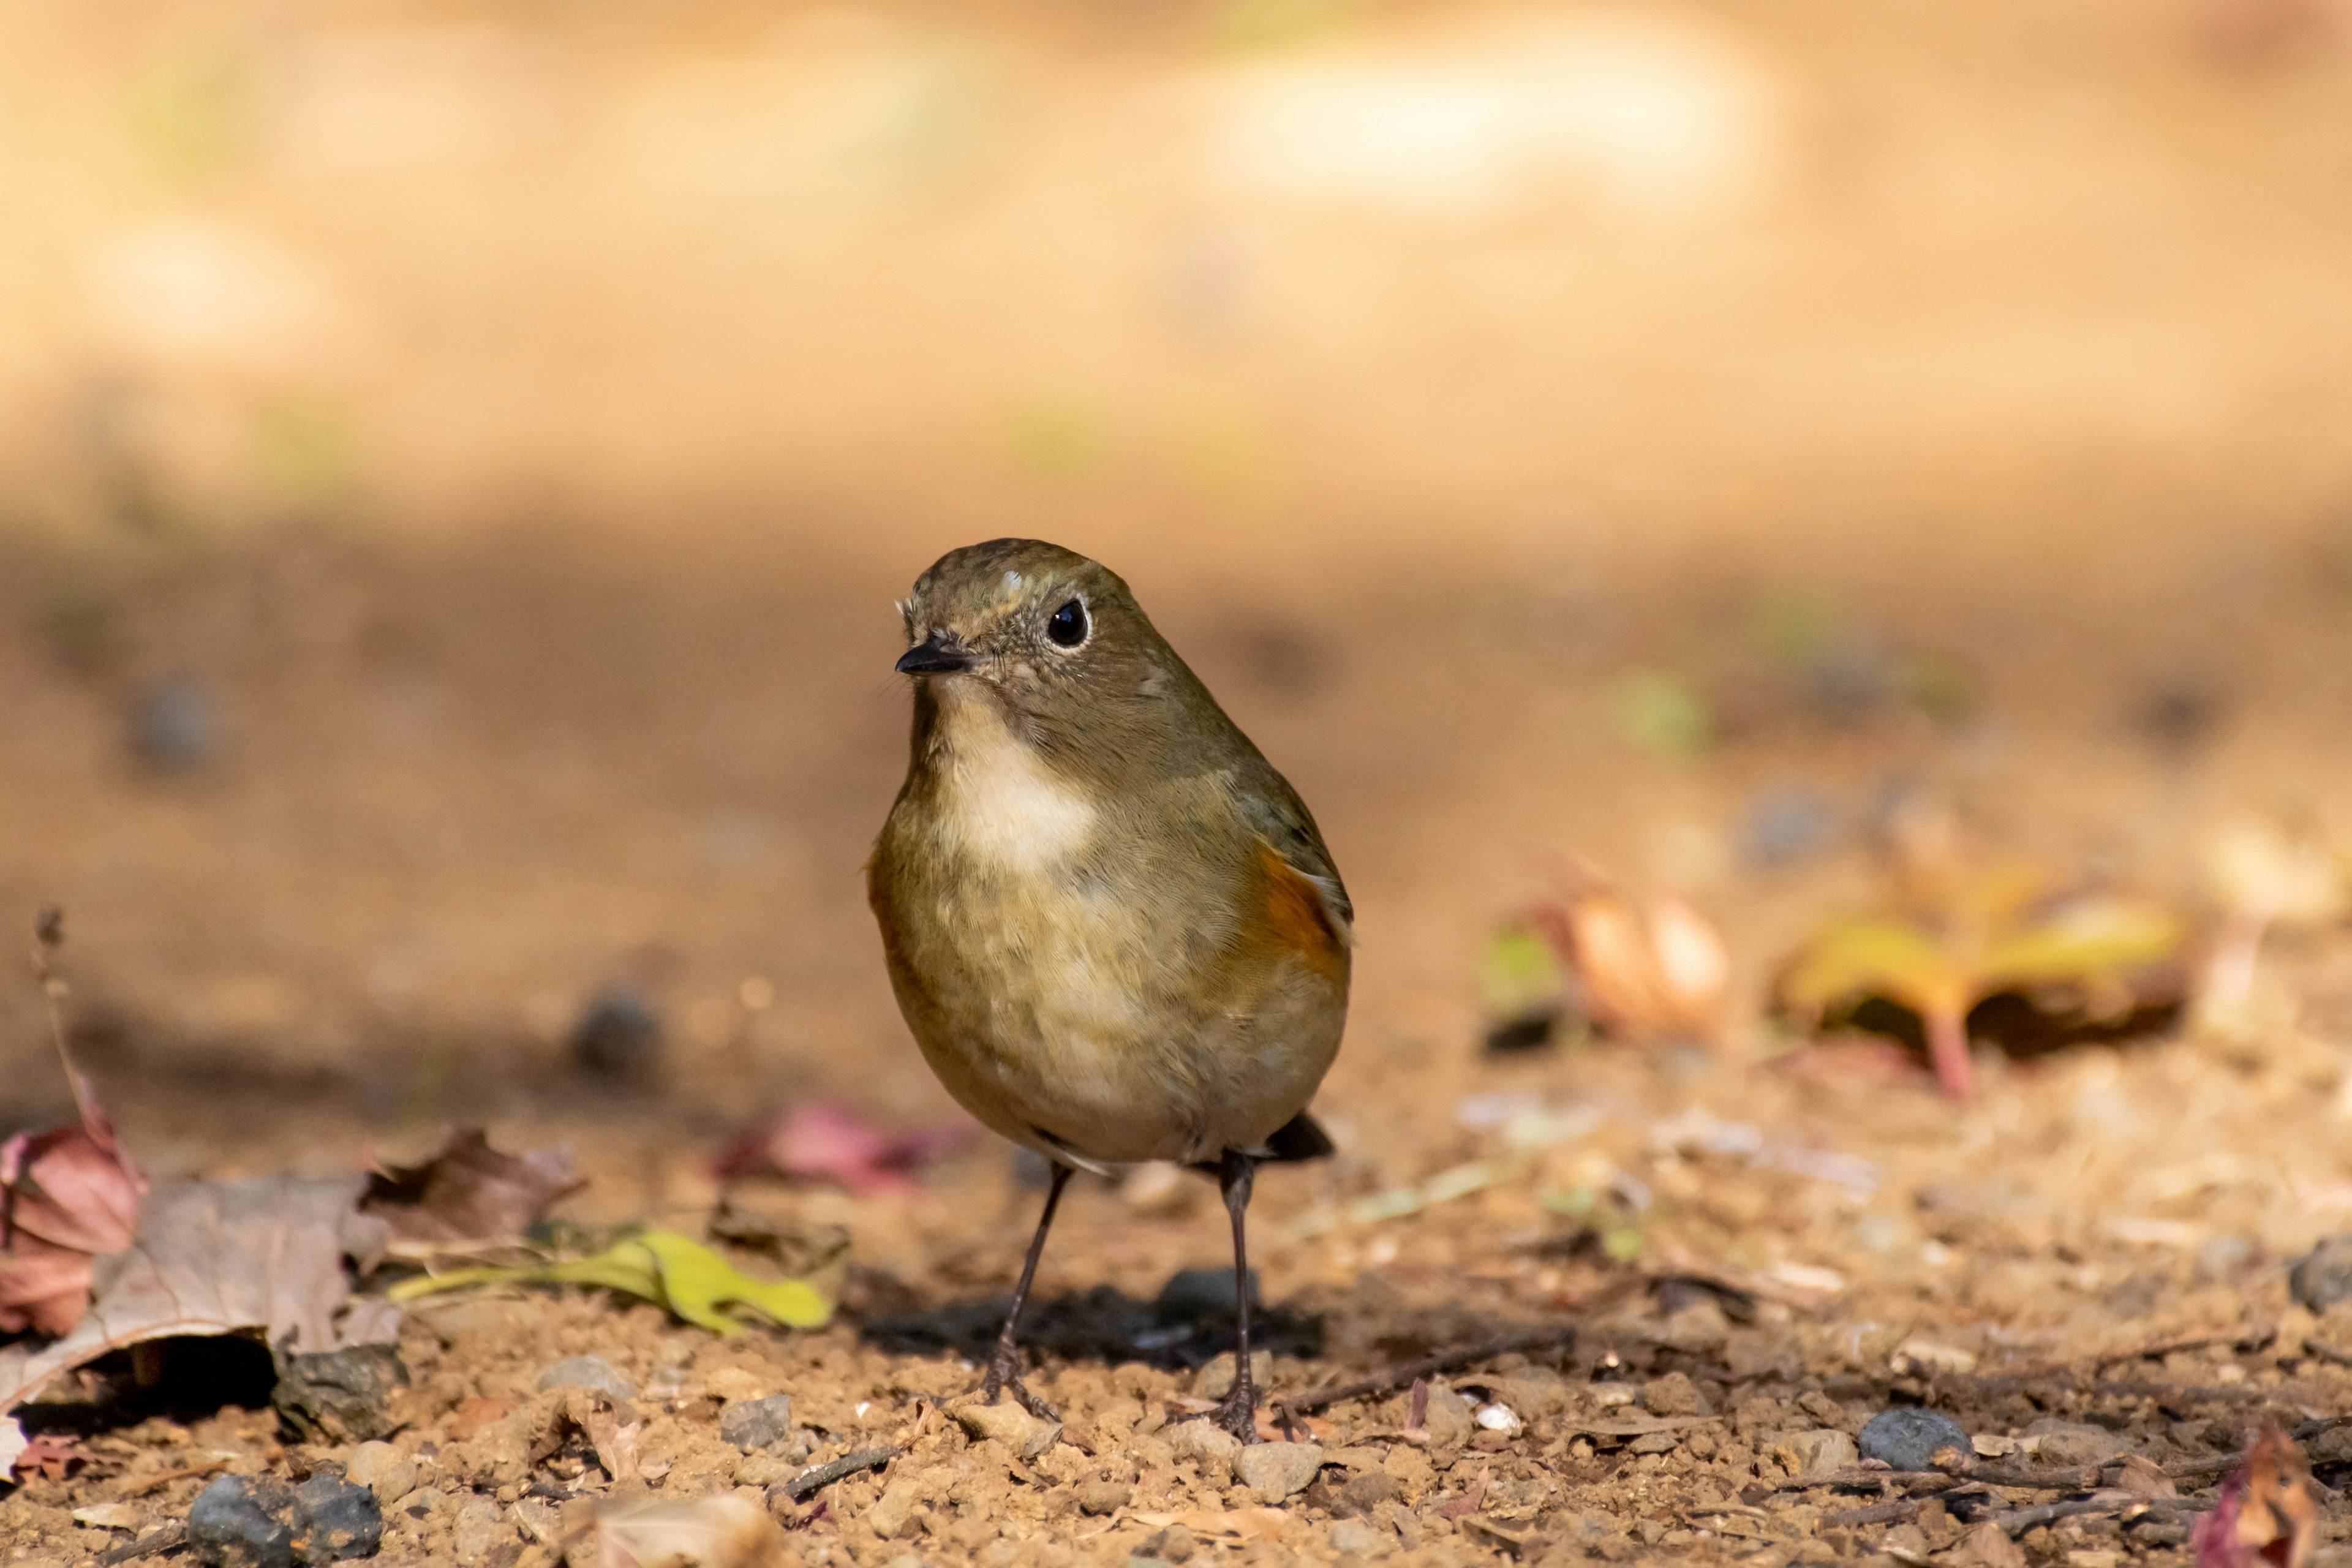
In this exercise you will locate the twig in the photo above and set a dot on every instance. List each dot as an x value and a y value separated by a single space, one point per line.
163 1540
2025 1518
156 1483
1405 1376
817 1478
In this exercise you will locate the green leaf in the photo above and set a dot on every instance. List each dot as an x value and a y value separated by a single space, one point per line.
663 1266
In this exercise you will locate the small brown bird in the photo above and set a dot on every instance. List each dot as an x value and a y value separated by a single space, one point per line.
1111 925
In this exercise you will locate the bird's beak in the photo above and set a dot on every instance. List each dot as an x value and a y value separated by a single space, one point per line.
935 655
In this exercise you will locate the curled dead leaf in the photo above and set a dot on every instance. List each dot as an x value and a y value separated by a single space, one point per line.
2266 1513
67 1195
469 1191
1655 974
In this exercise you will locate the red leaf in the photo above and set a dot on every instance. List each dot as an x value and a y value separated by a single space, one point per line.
824 1141
50 1457
2265 1514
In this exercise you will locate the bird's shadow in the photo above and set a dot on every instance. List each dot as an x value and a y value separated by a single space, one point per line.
1190 1321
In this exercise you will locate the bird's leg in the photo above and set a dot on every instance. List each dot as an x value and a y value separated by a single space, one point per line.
1238 1412
1004 1364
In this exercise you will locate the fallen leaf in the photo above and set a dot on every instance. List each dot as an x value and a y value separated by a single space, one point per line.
721 1531
1655 975
663 1266
1469 1502
470 1191
109 1516
2266 1513
820 1141
215 1257
609 1426
1961 939
2143 1477
67 1194
48 1456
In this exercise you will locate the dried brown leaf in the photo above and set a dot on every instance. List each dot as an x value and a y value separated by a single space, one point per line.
723 1531
470 1191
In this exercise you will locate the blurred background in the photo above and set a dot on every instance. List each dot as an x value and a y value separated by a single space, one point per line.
456 462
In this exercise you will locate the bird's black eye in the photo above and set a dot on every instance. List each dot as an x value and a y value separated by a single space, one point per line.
1066 626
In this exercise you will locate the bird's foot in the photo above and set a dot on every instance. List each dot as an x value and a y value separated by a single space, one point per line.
1004 1376
1237 1414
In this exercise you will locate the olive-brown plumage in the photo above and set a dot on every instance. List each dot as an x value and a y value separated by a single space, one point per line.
1112 926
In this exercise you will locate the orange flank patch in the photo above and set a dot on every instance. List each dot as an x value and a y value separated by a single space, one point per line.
1295 917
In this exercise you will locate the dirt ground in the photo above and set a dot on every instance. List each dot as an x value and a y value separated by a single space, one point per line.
420 853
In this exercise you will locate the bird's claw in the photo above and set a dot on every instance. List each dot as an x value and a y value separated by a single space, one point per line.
1004 1376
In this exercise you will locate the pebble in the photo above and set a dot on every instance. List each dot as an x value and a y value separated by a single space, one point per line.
619 1036
587 1372
540 1520
1213 1448
1449 1421
1010 1425
1673 1394
480 1526
756 1424
175 726
246 1522
2073 1442
1103 1497
345 1519
422 1504
384 1470
894 1510
1821 1452
2323 1277
1498 1418
1277 1470
1215 1379
341 1397
1908 1437
1354 1538
760 1468
260 1521
1367 1489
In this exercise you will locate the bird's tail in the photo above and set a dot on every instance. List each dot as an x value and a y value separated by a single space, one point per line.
1300 1138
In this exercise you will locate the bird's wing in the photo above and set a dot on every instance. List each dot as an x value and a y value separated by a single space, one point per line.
1273 811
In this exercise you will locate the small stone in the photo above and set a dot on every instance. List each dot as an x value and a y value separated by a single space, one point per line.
2323 1277
384 1470
1448 1422
422 1504
1215 1379
1908 1437
246 1522
1534 1392
1367 1489
341 1397
1673 1394
175 725
894 1510
1277 1470
108 1516
587 1372
1103 1497
1354 1538
1212 1448
480 1526
619 1036
1498 1418
756 1424
759 1468
1987 1545
2072 1444
1823 1452
1010 1425
540 1520
340 1519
